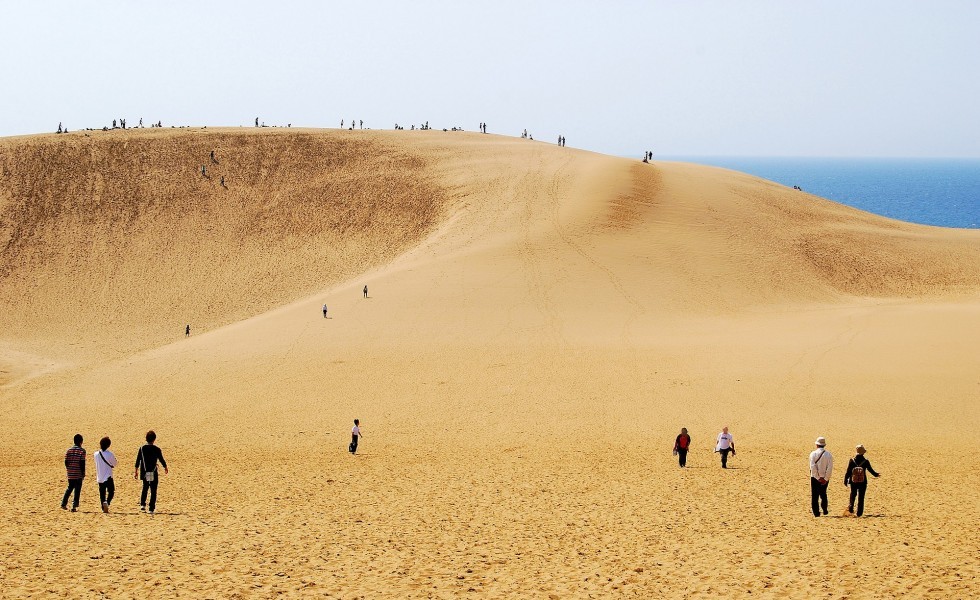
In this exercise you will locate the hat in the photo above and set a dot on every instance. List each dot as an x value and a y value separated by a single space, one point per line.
821 441
860 449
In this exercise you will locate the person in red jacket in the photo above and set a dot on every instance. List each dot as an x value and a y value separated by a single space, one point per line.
681 445
75 465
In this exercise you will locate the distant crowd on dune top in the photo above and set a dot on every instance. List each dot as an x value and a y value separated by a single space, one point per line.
350 126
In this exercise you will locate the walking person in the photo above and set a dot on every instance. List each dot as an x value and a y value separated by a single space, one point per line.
681 446
146 470
857 477
724 445
324 311
105 461
187 331
75 467
821 466
365 291
355 436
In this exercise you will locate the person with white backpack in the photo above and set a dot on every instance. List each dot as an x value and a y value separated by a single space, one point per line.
857 477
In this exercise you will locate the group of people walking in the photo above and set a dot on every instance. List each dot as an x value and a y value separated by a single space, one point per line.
149 459
856 476
724 445
821 469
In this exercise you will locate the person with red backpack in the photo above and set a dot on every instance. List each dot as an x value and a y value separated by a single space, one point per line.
857 477
681 445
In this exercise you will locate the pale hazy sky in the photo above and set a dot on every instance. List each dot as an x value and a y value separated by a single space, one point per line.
687 77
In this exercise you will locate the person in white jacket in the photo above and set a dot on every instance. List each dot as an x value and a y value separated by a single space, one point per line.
724 445
105 461
821 466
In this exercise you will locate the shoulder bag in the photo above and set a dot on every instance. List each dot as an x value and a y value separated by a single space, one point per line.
148 475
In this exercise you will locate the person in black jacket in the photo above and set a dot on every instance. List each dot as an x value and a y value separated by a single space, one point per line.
858 487
146 470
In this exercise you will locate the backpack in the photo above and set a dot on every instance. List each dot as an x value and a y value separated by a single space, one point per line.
857 474
683 441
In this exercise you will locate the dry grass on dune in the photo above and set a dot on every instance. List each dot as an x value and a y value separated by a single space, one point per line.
113 241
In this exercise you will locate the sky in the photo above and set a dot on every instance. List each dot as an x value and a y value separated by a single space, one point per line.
679 78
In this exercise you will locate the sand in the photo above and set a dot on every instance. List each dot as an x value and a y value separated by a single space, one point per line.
542 321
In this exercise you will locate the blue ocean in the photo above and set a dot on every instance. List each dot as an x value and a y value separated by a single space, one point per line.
943 192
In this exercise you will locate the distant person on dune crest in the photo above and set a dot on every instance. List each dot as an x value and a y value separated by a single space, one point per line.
821 467
187 331
324 311
365 291
857 477
75 467
256 121
725 445
355 436
681 446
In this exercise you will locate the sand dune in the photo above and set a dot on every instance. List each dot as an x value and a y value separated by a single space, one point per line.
541 322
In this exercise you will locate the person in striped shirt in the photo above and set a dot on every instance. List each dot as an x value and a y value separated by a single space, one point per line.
75 465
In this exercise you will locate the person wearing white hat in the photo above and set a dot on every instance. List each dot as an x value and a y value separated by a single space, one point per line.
821 466
856 476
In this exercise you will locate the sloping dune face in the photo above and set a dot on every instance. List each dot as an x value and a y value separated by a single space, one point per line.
541 323
112 242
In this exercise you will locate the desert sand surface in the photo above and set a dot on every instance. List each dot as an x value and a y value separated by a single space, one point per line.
541 322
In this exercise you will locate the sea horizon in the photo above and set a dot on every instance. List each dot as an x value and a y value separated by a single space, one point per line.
942 192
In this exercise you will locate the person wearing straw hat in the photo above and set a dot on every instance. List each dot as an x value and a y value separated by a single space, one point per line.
857 477
821 466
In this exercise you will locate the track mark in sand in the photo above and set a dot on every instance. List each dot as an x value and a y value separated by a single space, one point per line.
806 366
534 276
637 310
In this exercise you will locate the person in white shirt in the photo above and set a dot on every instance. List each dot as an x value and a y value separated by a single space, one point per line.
725 445
105 461
355 436
821 466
